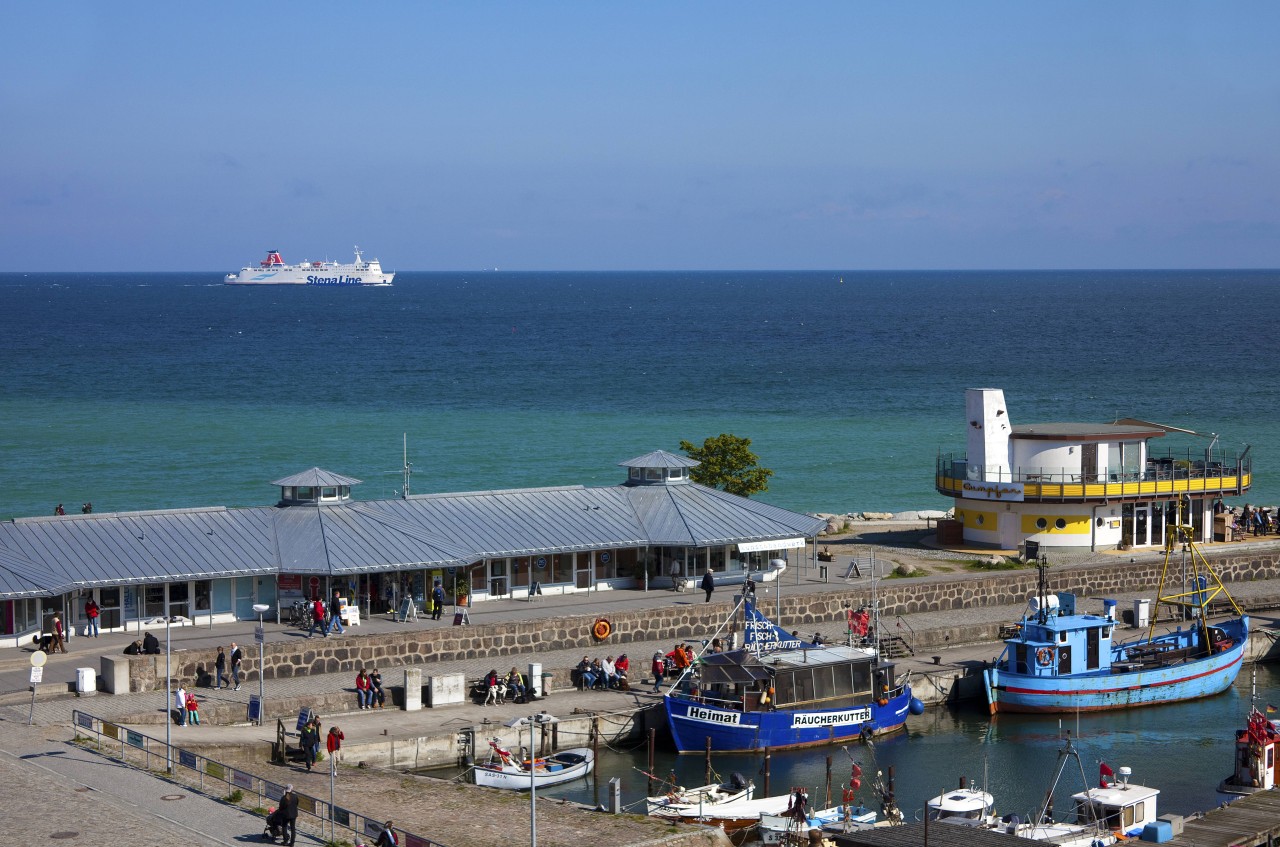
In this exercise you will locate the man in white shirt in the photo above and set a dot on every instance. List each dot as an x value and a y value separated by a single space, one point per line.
180 706
610 672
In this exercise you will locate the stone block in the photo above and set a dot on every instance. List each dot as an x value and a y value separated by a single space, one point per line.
115 674
446 690
412 689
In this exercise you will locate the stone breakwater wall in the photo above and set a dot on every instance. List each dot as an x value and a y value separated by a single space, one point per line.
822 611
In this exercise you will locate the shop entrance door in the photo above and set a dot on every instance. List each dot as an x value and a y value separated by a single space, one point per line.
582 570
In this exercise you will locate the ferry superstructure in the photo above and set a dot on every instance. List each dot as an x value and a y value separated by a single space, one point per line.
274 271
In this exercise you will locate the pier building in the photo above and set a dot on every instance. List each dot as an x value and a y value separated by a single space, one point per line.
1095 486
655 529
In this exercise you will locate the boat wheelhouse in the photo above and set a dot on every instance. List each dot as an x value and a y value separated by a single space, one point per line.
1081 485
1255 756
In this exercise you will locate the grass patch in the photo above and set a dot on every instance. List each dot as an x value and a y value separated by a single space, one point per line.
1003 565
235 797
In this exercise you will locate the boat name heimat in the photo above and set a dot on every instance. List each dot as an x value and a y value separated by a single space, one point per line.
849 716
710 716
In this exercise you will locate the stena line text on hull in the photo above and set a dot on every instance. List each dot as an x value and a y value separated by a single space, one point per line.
274 271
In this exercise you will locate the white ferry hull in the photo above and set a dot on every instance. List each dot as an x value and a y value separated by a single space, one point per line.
274 271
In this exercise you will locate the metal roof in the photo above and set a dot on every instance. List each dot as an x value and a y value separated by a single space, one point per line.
51 555
660 459
316 478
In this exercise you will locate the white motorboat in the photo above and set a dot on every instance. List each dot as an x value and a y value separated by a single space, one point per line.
773 828
681 801
506 770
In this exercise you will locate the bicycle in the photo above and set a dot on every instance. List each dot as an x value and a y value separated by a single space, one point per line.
300 614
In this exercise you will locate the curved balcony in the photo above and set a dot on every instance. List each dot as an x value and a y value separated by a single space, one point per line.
1163 477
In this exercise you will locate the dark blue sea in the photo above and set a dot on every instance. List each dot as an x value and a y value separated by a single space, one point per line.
140 391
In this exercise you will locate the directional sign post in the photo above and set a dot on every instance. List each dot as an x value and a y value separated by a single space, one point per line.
38 658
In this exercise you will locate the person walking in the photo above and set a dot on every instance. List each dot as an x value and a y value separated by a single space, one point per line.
289 808
437 599
387 838
659 668
236 658
334 743
317 619
708 584
220 669
309 741
91 613
335 614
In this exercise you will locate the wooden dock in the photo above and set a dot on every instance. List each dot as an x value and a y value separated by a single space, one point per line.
1247 822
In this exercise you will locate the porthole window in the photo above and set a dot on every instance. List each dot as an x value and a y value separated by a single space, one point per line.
1060 523
981 519
1100 522
1041 523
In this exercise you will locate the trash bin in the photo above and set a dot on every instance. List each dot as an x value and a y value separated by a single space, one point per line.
86 682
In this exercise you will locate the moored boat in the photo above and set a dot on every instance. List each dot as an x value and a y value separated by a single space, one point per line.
1255 756
273 271
1060 660
506 770
775 828
781 692
681 801
963 805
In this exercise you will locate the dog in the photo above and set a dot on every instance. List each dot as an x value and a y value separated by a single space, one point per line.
497 693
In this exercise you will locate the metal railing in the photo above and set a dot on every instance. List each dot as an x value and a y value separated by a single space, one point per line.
215 779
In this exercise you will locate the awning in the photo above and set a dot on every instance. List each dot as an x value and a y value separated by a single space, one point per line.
781 544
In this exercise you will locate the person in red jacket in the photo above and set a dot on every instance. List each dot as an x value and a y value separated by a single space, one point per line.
334 742
364 690
317 619
659 669
91 612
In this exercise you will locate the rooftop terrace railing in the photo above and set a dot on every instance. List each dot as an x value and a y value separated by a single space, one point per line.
1164 474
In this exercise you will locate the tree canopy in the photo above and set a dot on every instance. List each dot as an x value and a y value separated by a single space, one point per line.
727 463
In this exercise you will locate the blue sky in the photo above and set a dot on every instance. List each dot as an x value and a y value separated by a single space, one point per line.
538 135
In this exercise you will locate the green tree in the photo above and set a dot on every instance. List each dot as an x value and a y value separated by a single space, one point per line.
728 463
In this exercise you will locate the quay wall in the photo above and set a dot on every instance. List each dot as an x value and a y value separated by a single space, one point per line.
807 610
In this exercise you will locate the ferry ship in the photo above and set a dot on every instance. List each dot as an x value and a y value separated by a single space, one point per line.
274 271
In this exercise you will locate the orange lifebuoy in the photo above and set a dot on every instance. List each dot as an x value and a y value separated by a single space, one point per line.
1044 657
602 629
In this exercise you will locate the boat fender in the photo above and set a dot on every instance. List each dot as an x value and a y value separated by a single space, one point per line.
847 796
916 706
1044 657
601 629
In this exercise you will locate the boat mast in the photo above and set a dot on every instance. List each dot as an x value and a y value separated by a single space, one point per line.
408 468
1204 586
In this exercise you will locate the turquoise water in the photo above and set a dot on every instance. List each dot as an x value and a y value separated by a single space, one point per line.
139 391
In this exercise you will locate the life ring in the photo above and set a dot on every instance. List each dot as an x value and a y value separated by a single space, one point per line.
601 629
1044 657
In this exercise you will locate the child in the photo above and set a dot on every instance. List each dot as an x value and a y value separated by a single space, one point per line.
193 709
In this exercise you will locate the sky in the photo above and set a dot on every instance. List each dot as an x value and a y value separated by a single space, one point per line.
143 136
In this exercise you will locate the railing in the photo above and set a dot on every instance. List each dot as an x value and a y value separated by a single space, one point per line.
215 779
1162 475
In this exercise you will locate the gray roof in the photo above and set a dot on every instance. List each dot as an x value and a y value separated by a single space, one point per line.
52 555
316 478
660 459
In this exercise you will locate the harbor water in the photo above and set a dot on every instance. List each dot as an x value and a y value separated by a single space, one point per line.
1183 749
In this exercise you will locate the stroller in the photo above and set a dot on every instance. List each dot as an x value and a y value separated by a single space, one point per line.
274 827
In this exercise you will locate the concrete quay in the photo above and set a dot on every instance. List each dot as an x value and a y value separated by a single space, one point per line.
961 636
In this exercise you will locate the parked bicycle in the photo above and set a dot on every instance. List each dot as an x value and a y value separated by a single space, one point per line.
300 613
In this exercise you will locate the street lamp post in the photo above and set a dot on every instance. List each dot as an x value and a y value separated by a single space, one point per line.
168 697
260 635
531 722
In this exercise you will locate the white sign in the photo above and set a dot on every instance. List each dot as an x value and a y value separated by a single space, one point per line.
1008 491
808 720
697 713
37 674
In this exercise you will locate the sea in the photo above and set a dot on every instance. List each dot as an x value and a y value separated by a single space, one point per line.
137 391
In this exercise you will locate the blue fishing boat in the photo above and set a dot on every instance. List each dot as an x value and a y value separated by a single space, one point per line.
781 692
1059 660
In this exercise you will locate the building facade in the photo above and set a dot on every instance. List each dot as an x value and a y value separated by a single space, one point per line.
1082 485
210 565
